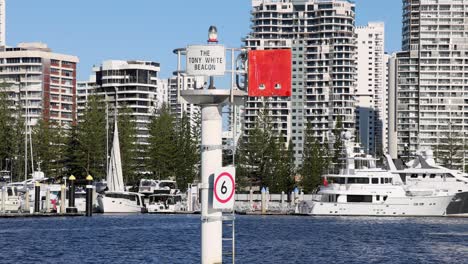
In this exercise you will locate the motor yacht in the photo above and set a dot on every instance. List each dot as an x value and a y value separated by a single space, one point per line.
423 173
360 188
12 203
149 186
165 203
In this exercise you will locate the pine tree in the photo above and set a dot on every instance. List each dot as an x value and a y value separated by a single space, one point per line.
263 159
282 175
338 145
71 156
314 162
48 146
450 149
162 148
187 157
11 135
92 139
6 130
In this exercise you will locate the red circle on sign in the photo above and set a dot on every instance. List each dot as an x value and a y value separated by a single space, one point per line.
233 187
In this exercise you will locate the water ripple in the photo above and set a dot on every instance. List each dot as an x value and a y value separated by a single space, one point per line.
176 239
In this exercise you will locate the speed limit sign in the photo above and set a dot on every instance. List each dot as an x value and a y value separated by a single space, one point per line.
224 187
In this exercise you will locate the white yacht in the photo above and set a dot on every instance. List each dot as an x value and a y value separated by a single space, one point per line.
12 203
28 186
121 202
423 173
363 189
165 203
116 199
148 187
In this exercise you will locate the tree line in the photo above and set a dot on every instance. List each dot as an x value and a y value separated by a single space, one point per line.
265 159
170 151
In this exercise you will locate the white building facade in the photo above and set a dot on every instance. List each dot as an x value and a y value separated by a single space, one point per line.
178 107
322 37
134 85
371 90
432 75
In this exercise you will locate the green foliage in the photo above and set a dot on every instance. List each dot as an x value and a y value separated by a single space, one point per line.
188 156
11 135
449 151
281 177
91 137
48 148
7 133
315 162
174 148
162 149
263 159
72 161
338 144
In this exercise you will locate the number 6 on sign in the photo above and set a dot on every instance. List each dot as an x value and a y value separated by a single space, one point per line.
224 188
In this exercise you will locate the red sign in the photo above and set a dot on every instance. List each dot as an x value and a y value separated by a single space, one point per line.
270 72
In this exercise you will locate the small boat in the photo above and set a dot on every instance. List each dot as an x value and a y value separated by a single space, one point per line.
165 203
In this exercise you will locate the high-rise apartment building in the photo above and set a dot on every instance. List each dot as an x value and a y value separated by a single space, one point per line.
432 74
40 82
84 89
179 108
371 90
131 84
322 37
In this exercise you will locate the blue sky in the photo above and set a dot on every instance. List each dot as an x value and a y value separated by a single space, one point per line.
97 30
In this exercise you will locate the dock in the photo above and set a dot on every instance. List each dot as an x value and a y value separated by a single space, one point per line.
39 215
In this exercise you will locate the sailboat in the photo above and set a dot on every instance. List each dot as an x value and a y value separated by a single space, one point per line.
116 199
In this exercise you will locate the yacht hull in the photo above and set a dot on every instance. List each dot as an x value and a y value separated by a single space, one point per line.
394 206
117 205
459 205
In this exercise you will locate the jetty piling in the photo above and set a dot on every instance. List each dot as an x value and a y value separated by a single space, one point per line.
37 197
26 202
47 200
89 196
63 197
71 196
264 209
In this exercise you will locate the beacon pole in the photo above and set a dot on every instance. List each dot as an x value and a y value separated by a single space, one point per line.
211 160
208 61
37 197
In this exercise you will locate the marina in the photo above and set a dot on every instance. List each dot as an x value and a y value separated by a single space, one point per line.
306 139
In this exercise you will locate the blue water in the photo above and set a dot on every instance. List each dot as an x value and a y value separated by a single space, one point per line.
280 239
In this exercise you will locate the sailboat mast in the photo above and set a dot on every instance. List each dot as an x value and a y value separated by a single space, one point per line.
31 147
107 138
25 132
